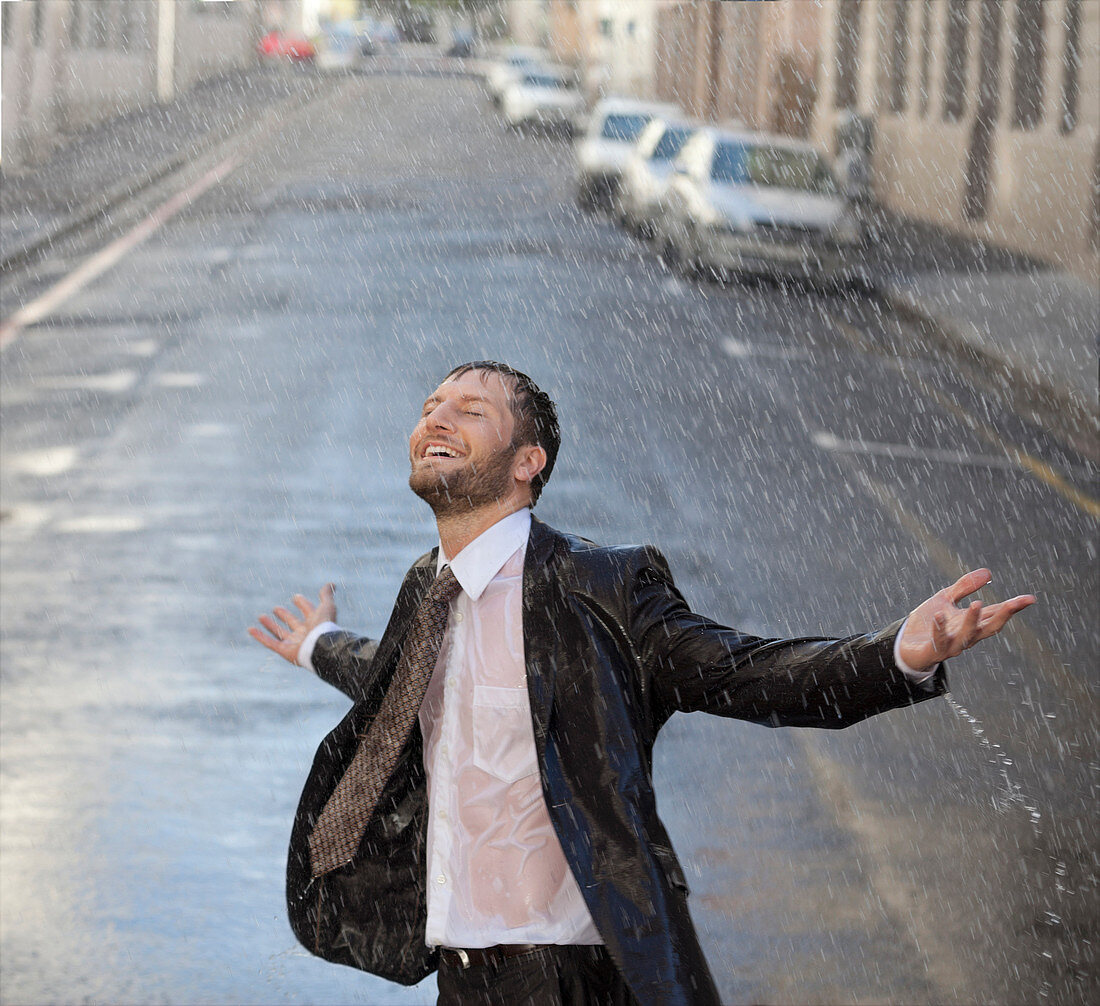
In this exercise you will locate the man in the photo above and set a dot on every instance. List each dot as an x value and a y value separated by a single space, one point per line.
486 807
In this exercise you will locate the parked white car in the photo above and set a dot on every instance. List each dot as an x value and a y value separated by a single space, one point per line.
647 172
507 67
602 152
754 202
547 97
338 49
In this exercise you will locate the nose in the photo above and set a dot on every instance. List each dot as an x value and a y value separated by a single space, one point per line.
439 418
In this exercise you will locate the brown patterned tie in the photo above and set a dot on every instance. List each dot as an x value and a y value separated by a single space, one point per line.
336 835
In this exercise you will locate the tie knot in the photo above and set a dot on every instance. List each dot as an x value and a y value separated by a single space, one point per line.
445 587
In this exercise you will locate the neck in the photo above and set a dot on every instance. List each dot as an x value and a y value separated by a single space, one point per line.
457 530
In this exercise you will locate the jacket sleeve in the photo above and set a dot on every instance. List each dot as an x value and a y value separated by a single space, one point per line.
696 664
346 661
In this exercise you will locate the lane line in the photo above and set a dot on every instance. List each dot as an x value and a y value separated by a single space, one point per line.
1025 461
827 442
102 260
737 349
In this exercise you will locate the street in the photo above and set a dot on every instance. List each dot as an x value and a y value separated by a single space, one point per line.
220 419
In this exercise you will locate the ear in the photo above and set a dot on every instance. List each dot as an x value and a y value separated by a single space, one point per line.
529 461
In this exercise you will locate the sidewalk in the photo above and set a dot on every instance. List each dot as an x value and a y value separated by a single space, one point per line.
1039 325
112 161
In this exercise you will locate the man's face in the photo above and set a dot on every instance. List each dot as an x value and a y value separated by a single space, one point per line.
461 450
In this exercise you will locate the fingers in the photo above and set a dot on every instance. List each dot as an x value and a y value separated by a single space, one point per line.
954 631
303 604
966 584
263 638
292 620
277 630
996 616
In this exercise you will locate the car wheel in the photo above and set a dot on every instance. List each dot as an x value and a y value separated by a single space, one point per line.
670 256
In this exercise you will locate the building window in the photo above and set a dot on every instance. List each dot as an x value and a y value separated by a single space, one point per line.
1071 66
1028 51
847 53
76 24
38 28
925 56
954 65
99 28
899 58
605 27
630 26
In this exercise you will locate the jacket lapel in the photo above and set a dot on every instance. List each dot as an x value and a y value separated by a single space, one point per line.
541 592
416 584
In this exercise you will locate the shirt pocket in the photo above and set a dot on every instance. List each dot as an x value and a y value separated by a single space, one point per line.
504 740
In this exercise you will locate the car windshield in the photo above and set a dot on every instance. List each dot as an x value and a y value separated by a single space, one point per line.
543 80
773 167
623 126
668 146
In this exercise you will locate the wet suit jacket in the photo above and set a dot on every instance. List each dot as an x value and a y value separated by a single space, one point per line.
611 651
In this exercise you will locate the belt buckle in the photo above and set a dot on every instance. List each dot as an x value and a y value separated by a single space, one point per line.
463 957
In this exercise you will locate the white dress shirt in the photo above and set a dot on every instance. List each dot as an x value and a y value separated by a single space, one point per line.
496 871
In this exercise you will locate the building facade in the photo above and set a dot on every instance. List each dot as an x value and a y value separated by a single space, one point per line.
750 63
613 43
986 115
66 64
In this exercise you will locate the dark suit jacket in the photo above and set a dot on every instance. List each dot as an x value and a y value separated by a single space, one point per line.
612 650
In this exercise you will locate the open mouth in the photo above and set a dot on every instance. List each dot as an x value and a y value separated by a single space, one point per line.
434 449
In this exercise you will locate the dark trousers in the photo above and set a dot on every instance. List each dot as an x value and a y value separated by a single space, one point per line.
548 976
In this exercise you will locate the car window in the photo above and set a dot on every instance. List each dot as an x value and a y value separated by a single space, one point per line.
780 167
543 80
670 143
730 163
623 126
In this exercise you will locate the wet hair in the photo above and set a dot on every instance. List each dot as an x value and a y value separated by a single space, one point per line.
534 411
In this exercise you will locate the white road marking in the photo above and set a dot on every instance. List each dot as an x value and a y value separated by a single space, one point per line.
827 442
44 463
180 379
143 347
115 383
101 524
101 261
739 350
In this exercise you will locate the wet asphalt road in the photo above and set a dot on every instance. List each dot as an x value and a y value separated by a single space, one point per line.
220 420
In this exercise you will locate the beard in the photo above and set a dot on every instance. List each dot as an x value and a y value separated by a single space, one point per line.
464 489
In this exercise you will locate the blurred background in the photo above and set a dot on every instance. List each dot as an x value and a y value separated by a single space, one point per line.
816 286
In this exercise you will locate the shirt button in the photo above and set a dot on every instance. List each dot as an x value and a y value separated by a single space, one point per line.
441 879
458 616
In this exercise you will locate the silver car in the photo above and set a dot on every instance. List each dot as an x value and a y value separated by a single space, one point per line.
647 173
753 202
602 152
546 97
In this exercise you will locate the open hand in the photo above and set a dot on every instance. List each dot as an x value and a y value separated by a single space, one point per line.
939 629
286 632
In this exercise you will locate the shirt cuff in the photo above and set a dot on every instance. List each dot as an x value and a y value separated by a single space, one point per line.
917 677
305 651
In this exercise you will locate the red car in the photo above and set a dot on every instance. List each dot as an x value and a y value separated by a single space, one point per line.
277 44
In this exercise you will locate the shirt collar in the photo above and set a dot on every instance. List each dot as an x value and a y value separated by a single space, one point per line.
483 558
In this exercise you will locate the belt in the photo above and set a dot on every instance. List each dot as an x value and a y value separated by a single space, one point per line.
484 956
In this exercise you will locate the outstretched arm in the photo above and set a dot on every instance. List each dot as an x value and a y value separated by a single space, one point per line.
939 629
286 631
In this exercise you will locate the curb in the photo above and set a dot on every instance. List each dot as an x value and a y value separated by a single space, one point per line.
33 249
967 343
129 188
